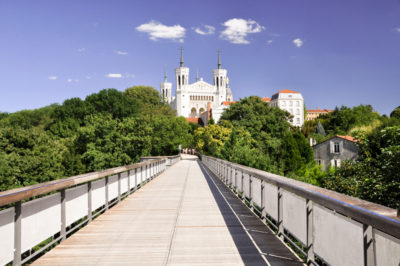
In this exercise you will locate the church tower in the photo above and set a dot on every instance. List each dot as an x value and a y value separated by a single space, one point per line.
182 82
166 89
220 81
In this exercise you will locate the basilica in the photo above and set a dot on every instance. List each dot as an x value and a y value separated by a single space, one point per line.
191 100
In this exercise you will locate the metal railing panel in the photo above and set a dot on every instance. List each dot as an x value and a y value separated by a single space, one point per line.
132 178
295 215
124 182
246 185
76 203
113 187
385 247
6 235
98 193
337 239
271 200
256 191
41 219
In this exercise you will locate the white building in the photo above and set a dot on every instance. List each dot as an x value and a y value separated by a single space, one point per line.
291 101
191 100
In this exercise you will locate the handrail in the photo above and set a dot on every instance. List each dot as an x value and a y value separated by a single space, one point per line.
384 223
19 194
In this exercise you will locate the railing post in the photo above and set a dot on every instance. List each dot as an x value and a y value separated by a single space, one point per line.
17 233
106 189
90 201
136 171
119 187
63 216
251 193
280 215
129 182
369 246
263 212
310 240
241 183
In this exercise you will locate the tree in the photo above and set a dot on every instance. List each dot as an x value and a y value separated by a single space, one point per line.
395 113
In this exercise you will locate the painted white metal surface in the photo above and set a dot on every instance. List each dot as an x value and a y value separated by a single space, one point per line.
41 219
246 185
6 235
132 178
271 200
256 191
295 215
76 205
112 187
98 194
124 182
387 249
337 239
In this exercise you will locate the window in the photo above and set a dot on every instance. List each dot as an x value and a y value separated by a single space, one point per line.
336 147
193 112
298 121
290 103
297 111
336 163
297 103
283 103
179 80
217 81
201 110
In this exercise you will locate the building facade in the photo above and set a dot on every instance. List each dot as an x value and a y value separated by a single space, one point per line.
291 101
191 100
334 151
313 114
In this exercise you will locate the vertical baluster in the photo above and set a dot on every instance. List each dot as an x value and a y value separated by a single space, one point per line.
17 233
129 182
280 215
119 187
251 203
263 213
63 216
369 246
90 201
310 240
106 203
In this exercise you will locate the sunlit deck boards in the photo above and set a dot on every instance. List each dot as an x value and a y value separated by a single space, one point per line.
181 217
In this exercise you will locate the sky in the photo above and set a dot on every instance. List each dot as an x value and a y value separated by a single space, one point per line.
341 52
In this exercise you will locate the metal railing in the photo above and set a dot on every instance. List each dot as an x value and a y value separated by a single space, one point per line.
324 229
170 159
72 203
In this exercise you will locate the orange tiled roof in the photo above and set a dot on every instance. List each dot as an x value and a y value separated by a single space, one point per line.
192 120
286 91
266 99
348 138
228 103
319 111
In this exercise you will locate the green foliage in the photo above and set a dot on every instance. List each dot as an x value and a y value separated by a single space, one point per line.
394 114
107 129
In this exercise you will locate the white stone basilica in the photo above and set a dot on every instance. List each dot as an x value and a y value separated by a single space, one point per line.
191 100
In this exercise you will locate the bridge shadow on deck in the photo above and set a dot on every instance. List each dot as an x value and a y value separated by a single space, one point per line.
267 242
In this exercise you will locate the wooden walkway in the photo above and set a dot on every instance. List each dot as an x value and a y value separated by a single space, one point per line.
182 217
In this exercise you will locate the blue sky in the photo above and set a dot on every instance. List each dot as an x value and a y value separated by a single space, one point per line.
334 52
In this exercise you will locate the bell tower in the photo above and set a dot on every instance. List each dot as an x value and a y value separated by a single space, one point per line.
182 82
220 80
166 89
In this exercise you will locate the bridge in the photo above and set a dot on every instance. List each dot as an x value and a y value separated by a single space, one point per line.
173 210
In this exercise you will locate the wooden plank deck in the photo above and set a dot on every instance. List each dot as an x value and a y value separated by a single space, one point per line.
183 217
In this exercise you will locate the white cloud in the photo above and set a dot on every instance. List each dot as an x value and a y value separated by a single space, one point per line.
270 41
72 80
208 30
114 75
128 75
157 30
298 42
237 30
398 29
81 50
121 52
52 77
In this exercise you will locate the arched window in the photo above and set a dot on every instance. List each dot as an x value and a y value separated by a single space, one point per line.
183 80
217 81
201 110
220 80
179 80
193 112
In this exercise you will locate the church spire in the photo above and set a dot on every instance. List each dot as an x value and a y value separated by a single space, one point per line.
197 74
165 74
219 59
181 63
